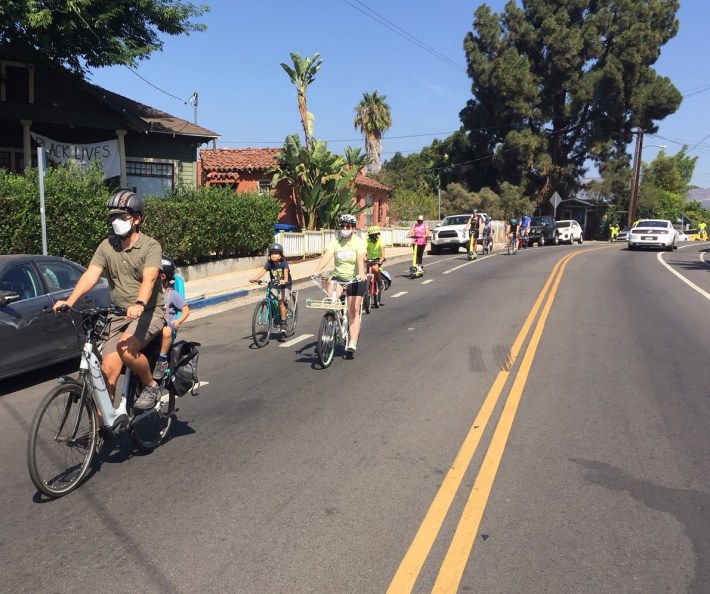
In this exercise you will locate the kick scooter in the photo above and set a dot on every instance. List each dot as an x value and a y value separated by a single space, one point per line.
414 270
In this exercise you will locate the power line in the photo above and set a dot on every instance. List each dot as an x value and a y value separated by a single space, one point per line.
375 16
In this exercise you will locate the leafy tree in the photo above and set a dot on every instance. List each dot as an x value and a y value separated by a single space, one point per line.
513 202
302 75
373 117
556 83
322 181
82 34
405 205
665 183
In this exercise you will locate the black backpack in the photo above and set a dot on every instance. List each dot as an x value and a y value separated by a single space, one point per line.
183 365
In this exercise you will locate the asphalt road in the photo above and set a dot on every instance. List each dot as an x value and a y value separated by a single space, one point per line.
527 423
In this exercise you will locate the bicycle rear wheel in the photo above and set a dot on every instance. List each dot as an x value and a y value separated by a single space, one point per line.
149 427
261 324
62 440
291 318
326 339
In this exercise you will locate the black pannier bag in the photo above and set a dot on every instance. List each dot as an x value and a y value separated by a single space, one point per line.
183 365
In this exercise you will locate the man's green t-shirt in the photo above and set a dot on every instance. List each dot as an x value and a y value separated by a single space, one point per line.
374 249
345 253
124 270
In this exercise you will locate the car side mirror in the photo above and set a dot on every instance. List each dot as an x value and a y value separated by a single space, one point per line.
7 297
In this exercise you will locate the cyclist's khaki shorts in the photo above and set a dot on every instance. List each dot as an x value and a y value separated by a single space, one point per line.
281 293
144 329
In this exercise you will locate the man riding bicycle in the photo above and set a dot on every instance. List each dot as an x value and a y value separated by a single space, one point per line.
375 255
524 230
511 229
131 261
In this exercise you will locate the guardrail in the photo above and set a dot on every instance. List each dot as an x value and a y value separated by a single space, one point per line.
313 243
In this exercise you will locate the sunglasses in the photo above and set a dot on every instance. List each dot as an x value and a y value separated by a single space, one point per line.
346 226
125 216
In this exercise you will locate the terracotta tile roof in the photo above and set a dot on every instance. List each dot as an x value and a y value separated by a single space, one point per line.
368 182
149 118
226 164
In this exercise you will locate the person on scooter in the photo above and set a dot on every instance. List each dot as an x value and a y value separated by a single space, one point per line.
419 233
475 229
375 254
131 261
348 254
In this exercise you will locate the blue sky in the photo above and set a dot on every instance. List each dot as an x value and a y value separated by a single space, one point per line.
246 97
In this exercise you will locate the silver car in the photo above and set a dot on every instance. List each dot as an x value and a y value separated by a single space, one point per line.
31 336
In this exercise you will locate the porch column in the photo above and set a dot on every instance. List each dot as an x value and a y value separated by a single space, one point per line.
26 143
121 136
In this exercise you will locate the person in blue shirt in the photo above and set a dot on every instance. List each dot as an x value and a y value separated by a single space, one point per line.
524 230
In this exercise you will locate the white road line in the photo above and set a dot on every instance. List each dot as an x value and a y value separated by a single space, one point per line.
399 294
426 282
296 340
681 277
457 267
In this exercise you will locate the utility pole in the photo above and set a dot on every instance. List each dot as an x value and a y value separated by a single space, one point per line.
633 201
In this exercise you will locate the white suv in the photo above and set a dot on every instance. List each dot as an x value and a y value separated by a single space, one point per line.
452 233
569 231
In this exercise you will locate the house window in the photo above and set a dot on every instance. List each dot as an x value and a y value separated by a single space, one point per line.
264 185
16 82
369 200
155 178
6 160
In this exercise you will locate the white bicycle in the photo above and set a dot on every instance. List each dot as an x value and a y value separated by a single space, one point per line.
74 417
333 328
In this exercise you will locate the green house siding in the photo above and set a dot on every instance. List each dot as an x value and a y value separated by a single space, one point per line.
187 174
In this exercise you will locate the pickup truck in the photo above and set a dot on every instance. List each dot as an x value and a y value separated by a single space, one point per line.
543 230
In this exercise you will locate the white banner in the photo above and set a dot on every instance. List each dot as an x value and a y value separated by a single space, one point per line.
61 152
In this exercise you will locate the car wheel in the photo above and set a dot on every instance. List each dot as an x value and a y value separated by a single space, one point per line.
632 247
435 250
555 239
580 240
541 241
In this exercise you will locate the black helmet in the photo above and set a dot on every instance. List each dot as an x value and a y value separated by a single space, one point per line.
276 247
125 200
167 265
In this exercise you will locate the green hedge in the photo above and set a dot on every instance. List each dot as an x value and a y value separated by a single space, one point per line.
191 225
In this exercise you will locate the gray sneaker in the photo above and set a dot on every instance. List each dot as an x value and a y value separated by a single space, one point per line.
149 396
160 368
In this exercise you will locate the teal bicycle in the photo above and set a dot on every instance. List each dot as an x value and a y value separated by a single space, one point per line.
267 315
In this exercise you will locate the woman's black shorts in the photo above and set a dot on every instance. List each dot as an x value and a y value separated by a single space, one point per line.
357 289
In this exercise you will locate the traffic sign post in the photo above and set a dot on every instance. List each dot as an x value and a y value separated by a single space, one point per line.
555 200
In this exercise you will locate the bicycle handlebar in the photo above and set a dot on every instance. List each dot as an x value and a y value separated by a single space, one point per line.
86 313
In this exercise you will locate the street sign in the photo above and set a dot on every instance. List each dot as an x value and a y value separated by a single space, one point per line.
555 199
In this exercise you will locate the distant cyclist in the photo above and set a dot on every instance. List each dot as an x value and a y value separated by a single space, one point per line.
348 254
525 230
511 229
375 254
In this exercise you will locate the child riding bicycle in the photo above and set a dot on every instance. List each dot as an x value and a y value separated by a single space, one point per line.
375 255
280 275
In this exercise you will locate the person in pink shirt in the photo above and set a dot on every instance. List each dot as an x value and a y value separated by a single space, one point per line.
419 233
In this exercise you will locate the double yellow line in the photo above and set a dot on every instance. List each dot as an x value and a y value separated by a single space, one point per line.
454 563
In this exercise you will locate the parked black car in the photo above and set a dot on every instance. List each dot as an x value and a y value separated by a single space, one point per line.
543 230
31 336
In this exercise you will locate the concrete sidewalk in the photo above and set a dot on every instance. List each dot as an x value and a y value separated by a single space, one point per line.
230 289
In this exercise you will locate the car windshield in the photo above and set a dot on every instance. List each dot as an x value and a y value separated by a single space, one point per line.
537 221
456 220
563 223
661 224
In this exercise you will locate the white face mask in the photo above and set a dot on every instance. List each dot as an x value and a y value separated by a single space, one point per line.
346 232
122 228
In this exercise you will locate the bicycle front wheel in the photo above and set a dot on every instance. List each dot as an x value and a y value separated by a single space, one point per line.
62 440
149 427
326 339
261 324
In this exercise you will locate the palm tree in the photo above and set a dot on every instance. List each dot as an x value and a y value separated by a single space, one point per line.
373 117
303 74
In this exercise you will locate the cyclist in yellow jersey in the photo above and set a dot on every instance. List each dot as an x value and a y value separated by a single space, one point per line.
375 251
348 254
